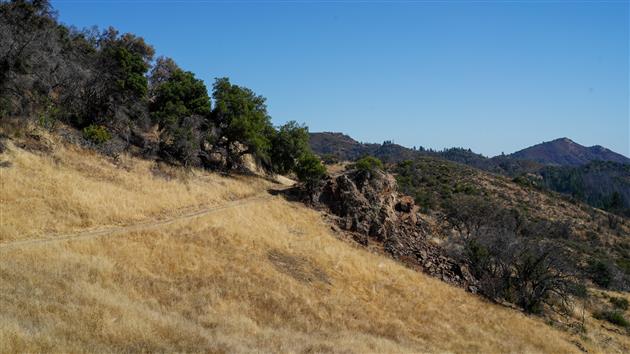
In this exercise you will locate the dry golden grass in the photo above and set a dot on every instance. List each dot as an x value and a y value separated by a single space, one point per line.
265 276
74 189
609 338
213 285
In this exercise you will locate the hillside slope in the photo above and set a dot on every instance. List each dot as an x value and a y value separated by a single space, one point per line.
266 275
596 182
565 166
593 235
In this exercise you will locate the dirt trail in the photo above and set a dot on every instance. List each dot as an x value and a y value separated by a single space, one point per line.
143 225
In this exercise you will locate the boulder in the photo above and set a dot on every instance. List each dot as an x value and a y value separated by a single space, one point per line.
405 204
367 205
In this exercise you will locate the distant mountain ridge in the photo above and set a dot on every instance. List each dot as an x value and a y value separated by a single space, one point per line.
566 152
559 152
595 175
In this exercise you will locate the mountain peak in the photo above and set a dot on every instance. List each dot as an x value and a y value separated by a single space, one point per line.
563 140
566 152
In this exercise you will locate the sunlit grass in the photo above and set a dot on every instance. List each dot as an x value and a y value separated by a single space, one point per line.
265 276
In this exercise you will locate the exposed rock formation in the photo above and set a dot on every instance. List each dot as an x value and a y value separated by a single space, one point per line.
366 205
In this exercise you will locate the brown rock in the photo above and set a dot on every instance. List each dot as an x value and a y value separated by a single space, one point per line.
368 206
405 204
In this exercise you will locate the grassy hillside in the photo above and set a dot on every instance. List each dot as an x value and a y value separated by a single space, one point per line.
267 275
73 189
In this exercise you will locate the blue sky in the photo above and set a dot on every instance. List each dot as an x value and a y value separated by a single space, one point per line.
493 76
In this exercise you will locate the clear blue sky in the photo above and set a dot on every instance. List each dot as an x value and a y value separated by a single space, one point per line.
489 75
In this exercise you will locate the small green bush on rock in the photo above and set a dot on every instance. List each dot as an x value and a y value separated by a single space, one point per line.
368 163
310 172
97 134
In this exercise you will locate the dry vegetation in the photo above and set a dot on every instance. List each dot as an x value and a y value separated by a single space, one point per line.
263 276
72 189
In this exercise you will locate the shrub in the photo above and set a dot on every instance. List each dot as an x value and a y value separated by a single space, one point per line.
613 222
511 261
624 264
619 303
601 273
368 163
330 159
465 188
310 172
527 180
48 116
425 200
184 141
97 134
287 145
579 290
615 317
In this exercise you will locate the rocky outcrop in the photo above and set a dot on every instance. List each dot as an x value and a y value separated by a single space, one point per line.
367 205
363 201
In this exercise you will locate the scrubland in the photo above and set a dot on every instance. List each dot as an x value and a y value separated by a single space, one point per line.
263 276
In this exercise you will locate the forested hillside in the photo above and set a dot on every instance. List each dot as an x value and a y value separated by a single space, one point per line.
109 86
603 184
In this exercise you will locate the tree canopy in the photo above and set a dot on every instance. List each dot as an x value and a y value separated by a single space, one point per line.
288 145
179 96
106 84
181 108
243 125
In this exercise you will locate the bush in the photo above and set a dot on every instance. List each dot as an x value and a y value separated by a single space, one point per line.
310 172
97 134
465 188
330 159
184 141
510 259
287 145
527 180
48 116
615 317
579 290
601 273
425 200
619 303
624 264
368 163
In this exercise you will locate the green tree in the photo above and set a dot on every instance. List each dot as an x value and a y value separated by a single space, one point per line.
181 108
310 172
116 93
162 70
615 202
243 125
179 96
129 71
288 144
